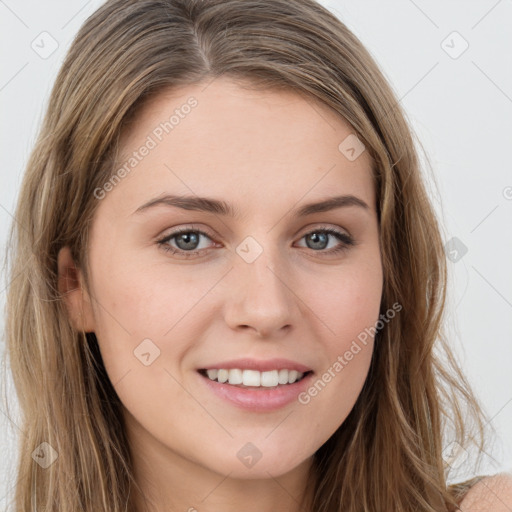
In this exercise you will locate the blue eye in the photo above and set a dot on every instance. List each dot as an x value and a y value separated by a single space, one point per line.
186 238
321 237
187 241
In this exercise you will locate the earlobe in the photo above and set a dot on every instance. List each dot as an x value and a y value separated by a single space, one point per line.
74 295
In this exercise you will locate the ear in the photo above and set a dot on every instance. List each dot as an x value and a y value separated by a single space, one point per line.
74 295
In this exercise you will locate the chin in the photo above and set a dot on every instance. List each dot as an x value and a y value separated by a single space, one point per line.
267 466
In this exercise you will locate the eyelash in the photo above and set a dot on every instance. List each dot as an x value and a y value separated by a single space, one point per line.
347 241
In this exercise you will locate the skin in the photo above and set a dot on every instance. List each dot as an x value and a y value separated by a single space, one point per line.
491 493
266 153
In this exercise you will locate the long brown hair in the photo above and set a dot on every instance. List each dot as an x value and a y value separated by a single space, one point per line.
388 453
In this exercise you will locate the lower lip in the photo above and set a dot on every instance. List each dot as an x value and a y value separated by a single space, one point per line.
258 399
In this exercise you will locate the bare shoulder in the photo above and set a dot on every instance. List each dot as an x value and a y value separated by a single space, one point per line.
491 494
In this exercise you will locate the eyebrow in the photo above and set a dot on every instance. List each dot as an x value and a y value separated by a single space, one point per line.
216 206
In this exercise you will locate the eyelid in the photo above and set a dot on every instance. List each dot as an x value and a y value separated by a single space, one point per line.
185 228
305 230
323 225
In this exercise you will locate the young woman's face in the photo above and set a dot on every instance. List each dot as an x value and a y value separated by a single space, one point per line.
257 279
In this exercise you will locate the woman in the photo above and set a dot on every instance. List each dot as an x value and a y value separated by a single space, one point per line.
180 341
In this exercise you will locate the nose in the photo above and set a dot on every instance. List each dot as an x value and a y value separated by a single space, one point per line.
261 297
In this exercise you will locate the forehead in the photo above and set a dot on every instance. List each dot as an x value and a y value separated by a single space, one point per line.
220 139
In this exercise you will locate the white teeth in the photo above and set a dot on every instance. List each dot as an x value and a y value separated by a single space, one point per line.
212 374
254 378
251 377
283 377
235 376
222 375
269 379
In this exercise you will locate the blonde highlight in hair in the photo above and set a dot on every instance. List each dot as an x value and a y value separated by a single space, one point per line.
387 454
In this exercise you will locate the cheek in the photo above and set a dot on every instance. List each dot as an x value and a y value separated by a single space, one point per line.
141 297
127 312
348 303
137 301
348 307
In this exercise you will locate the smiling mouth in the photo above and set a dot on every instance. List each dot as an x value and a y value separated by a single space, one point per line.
254 379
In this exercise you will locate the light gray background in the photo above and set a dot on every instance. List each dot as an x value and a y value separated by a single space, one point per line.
459 104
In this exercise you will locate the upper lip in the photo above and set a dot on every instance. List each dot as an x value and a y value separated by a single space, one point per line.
259 364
